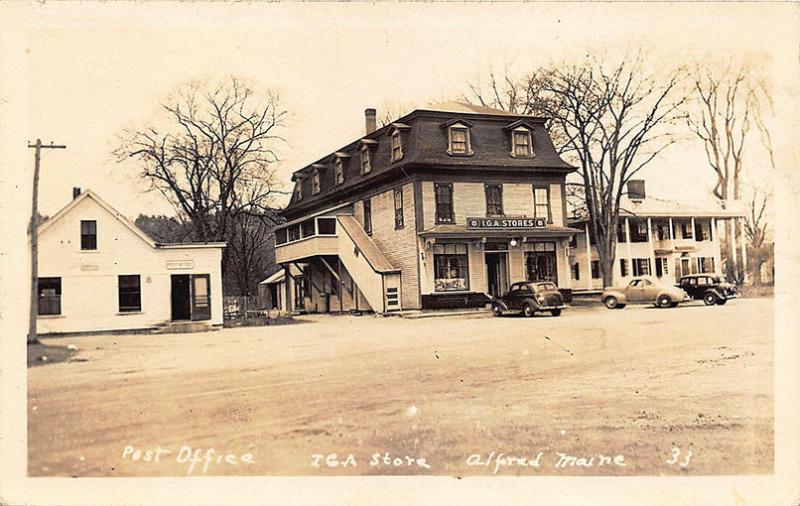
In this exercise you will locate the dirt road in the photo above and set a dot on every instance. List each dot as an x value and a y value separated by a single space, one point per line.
635 391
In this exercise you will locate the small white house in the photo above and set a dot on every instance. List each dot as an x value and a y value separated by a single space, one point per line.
99 272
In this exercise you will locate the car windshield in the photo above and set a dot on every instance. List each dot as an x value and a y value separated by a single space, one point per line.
546 286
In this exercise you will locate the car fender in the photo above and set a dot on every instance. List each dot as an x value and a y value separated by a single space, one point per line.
500 302
621 297
530 300
674 295
717 292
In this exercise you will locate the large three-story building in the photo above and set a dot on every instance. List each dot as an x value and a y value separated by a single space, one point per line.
439 209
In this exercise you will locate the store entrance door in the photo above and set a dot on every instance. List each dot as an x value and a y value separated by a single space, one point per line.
496 273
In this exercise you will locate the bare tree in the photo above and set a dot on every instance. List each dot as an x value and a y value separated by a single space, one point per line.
212 156
756 226
609 120
721 118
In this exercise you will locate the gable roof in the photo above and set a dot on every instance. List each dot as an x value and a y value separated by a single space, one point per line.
89 194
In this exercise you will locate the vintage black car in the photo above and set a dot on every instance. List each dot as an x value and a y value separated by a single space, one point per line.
528 297
712 288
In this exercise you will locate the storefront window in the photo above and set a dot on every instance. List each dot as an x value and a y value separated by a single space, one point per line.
451 267
540 262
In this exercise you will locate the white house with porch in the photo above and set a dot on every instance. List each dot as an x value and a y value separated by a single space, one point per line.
657 237
99 272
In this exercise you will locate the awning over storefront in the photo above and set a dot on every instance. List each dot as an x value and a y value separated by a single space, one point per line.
461 232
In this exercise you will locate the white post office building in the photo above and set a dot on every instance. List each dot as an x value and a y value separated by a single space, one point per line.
99 272
439 209
656 237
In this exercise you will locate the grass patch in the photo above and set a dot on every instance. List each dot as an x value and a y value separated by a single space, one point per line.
43 354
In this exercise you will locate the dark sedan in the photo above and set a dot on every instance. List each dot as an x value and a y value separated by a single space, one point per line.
528 298
711 288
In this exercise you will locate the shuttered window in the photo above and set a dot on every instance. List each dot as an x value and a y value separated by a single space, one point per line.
444 202
494 200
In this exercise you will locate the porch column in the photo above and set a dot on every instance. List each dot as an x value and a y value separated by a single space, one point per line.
652 251
744 252
287 273
628 245
588 257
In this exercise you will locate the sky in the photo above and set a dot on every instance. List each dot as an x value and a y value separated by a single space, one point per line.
96 69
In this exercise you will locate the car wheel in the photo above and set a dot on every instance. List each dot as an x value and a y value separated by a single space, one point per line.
555 312
709 298
611 302
528 310
496 310
722 302
664 301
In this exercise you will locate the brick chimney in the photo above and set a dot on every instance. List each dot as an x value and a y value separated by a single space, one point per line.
636 189
369 121
76 192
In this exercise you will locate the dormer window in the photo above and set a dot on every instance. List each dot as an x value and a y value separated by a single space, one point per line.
366 163
459 141
298 190
339 171
397 146
316 185
396 134
521 143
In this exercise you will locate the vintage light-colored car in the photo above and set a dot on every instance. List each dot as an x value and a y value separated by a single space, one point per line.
644 290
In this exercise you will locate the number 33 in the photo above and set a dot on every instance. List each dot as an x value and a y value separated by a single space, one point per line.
676 455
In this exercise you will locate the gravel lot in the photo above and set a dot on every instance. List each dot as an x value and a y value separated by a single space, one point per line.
631 391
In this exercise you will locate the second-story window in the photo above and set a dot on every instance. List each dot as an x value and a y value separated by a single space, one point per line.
339 167
399 221
444 202
541 203
366 163
368 216
397 146
494 200
88 235
522 143
315 178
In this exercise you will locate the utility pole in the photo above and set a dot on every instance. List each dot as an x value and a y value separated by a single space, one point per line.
35 238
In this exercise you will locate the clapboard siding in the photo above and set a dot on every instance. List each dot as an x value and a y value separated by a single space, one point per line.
398 245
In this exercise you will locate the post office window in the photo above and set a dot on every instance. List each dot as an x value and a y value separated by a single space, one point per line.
49 296
595 269
130 293
88 235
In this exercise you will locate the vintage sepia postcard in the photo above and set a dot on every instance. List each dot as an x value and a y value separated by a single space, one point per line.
399 253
